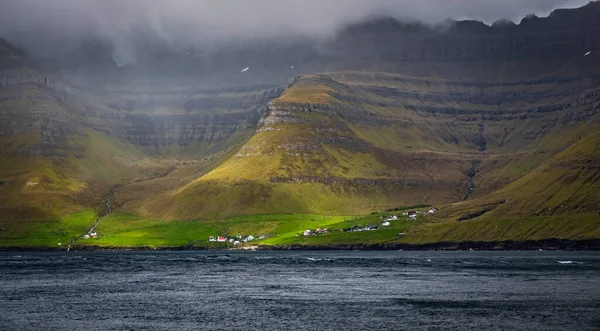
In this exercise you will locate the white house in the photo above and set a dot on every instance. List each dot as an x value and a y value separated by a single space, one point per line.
392 218
221 239
211 238
250 238
307 233
386 223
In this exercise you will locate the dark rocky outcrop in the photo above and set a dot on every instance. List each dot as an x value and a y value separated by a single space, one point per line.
531 245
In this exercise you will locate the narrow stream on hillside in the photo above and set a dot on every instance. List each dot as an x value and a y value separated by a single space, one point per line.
90 232
472 173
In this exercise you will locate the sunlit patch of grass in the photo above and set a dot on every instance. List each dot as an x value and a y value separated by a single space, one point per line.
45 233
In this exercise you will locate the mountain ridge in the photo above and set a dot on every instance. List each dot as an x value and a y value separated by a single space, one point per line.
467 124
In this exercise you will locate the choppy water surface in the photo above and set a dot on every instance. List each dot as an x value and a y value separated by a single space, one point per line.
300 290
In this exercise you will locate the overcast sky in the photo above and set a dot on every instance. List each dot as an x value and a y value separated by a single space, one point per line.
189 21
254 17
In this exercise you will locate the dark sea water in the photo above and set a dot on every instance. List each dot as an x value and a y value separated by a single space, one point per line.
300 291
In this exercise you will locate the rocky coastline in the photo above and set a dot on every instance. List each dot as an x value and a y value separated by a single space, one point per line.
529 245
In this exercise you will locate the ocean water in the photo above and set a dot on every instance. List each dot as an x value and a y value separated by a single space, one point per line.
300 290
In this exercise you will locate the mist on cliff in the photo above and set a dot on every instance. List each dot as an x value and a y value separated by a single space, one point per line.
51 28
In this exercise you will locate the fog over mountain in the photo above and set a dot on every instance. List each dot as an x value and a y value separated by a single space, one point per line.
51 28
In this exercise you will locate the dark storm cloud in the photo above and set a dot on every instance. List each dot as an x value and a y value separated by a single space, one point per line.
186 22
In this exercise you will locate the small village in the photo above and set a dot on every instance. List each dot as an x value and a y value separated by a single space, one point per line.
386 221
236 240
90 235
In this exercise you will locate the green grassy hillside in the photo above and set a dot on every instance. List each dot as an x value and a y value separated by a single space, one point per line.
354 142
567 184
310 158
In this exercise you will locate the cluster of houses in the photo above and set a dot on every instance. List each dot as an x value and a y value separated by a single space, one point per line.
387 220
413 213
313 232
90 235
235 240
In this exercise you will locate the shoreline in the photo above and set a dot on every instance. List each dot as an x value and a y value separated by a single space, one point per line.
509 245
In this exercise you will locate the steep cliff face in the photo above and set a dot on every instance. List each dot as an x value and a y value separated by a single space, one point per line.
184 121
155 121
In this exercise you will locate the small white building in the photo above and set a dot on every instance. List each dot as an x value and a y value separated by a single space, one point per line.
386 223
250 238
87 236
212 239
307 233
392 218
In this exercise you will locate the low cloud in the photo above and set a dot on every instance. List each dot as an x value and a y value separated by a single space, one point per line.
43 26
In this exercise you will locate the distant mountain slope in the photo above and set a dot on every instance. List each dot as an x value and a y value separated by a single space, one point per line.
566 184
64 149
353 142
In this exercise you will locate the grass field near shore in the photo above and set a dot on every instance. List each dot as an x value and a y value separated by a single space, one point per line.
120 230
